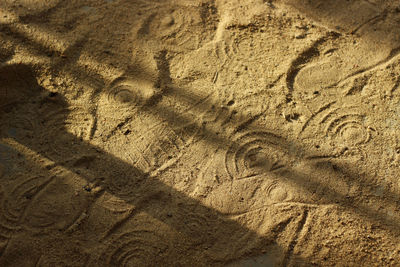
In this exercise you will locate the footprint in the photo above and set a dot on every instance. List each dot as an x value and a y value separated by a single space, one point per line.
128 91
63 127
256 153
142 243
172 26
243 196
338 125
56 205
357 44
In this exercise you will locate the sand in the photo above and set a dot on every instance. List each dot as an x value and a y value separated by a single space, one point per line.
199 133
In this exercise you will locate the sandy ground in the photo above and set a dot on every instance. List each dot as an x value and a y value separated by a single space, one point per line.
199 133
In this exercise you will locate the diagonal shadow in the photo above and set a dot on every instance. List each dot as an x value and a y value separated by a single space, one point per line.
149 191
301 179
203 230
